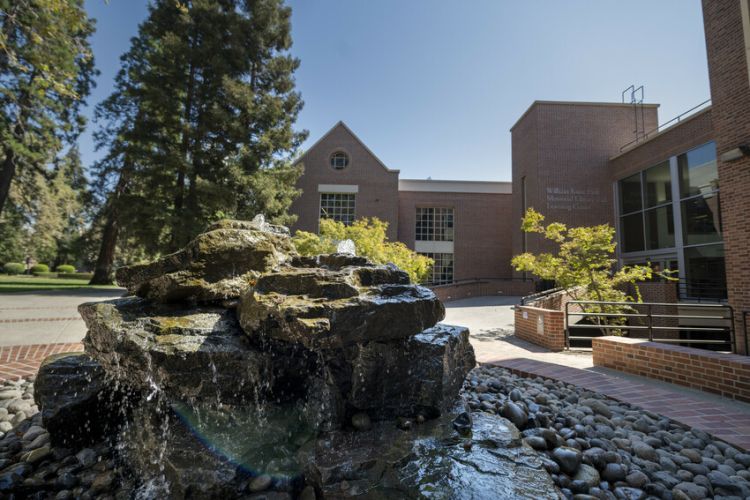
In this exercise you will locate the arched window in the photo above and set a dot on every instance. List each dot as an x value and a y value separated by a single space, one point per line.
339 160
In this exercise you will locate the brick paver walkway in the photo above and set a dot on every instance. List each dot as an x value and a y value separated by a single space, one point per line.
23 361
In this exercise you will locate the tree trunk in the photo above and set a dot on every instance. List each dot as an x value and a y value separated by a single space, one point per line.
7 172
104 272
178 228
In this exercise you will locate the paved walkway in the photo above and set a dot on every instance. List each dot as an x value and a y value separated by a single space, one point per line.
46 317
490 320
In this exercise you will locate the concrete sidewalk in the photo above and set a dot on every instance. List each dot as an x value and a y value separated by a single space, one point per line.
47 317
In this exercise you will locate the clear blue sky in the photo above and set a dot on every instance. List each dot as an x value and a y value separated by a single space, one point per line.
433 86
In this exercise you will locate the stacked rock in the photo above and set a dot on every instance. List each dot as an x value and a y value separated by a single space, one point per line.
237 319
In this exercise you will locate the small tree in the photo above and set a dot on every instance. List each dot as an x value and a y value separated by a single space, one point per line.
583 265
369 237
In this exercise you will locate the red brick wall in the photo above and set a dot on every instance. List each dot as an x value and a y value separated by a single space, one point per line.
481 288
687 134
730 94
378 187
724 374
552 335
482 239
563 150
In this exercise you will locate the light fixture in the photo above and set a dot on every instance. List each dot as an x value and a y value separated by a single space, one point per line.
735 154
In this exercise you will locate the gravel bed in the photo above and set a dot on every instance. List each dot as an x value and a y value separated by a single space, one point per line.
593 446
596 447
31 468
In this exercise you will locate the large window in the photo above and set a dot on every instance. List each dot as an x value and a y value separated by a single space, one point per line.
646 221
442 270
434 224
672 209
337 206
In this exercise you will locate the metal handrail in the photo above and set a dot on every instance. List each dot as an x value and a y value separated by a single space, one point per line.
649 316
664 125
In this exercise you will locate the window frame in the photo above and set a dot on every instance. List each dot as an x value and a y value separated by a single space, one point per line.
336 197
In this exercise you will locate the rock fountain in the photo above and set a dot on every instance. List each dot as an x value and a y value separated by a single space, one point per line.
237 366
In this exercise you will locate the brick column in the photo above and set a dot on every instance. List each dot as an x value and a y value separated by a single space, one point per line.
730 94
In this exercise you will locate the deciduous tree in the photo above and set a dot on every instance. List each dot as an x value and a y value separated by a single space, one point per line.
370 240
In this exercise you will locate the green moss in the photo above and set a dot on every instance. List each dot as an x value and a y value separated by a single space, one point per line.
171 325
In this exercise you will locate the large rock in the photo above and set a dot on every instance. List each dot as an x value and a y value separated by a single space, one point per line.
189 353
337 305
77 404
217 265
419 375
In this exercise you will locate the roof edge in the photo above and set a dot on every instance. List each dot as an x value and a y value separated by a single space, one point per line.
576 103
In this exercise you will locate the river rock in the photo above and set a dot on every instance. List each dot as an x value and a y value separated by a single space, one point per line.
386 462
78 406
324 308
217 265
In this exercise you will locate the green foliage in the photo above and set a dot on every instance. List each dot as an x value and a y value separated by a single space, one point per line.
46 70
369 237
222 79
13 268
65 268
45 275
583 265
39 268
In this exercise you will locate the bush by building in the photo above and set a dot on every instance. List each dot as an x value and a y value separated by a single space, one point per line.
39 268
14 268
65 268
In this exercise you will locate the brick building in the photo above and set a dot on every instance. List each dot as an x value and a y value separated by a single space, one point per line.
676 192
463 225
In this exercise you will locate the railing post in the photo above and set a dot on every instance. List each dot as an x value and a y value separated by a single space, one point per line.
650 325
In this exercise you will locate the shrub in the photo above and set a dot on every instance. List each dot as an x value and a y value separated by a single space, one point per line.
76 276
65 268
39 268
46 275
14 268
370 240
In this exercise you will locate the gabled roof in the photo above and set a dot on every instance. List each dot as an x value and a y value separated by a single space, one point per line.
343 125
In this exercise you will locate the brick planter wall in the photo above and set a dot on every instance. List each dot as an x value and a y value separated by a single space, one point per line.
542 327
724 374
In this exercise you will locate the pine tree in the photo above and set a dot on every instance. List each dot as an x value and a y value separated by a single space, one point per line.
200 122
46 66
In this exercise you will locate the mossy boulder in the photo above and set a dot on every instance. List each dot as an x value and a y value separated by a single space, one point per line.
335 306
216 266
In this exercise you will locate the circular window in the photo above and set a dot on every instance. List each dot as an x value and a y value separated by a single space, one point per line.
339 160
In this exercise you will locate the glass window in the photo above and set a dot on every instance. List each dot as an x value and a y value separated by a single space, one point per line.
442 269
705 272
658 185
434 224
701 219
630 194
698 173
337 206
632 232
659 228
339 160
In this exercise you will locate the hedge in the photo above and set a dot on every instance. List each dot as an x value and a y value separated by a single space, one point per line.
39 268
76 276
46 275
65 268
14 268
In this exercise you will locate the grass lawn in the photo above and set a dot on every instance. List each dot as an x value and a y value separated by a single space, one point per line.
9 284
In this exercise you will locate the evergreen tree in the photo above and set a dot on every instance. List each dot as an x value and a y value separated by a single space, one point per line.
200 123
46 66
